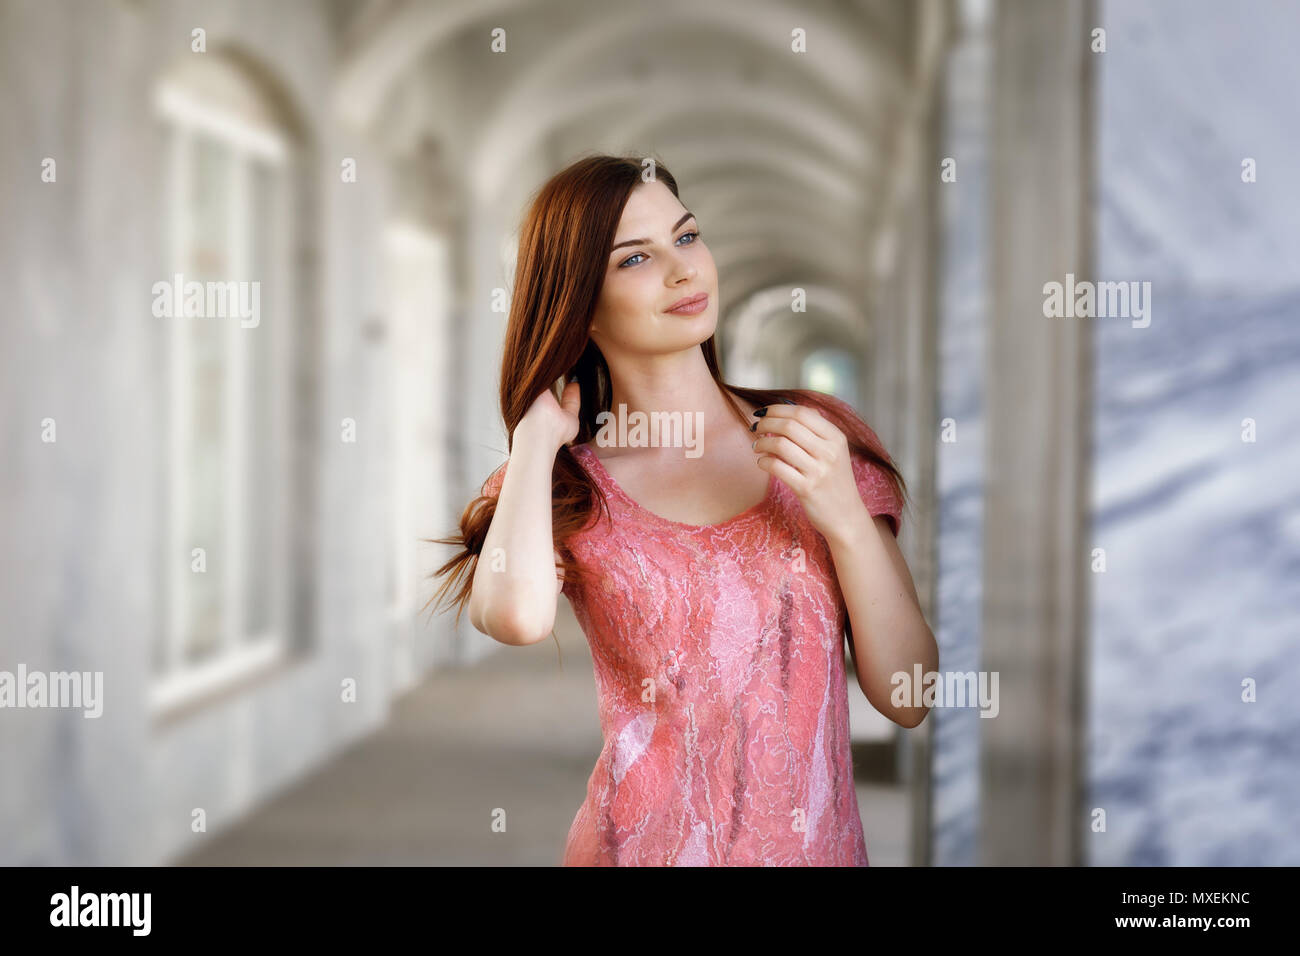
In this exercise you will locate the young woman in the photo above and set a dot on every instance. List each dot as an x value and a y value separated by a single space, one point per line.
715 589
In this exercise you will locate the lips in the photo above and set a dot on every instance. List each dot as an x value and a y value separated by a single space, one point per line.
692 303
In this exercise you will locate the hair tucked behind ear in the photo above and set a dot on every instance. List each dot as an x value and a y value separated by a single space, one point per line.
564 244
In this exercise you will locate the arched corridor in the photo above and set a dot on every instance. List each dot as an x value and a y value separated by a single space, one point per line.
260 259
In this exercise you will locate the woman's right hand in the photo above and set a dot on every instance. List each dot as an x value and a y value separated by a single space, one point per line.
552 422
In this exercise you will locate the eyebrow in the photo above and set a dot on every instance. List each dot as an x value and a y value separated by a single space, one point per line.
646 242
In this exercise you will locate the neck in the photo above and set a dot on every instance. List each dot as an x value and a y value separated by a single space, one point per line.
679 384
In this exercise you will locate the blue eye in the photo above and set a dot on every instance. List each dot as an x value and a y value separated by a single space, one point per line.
693 233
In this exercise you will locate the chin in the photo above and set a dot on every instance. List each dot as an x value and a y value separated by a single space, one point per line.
704 326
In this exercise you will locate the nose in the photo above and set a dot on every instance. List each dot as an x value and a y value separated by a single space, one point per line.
683 269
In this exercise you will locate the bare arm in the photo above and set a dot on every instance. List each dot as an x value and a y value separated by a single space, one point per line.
889 631
516 587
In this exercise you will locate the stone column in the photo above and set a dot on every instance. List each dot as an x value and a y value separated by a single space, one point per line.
479 336
922 267
1038 409
904 351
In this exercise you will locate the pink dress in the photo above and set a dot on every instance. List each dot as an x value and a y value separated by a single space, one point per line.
719 658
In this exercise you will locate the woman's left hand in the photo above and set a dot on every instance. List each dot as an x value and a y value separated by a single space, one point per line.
811 455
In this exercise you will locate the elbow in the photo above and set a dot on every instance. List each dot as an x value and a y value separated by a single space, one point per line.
911 717
505 625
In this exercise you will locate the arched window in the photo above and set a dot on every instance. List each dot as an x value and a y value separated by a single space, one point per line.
227 335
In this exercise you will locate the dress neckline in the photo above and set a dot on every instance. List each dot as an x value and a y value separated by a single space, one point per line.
752 511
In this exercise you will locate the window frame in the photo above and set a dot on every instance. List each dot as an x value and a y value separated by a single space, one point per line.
241 654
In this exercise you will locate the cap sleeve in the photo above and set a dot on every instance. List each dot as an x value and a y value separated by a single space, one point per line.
570 590
876 489
492 487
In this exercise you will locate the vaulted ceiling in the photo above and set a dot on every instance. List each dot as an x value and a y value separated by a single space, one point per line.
790 159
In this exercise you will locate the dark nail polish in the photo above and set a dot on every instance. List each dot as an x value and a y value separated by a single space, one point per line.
788 402
761 411
753 426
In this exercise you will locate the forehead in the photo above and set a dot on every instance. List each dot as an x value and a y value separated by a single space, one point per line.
649 208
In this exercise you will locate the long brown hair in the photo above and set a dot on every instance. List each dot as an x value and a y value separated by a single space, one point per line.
564 245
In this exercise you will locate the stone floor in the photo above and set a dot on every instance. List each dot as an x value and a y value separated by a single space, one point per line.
513 734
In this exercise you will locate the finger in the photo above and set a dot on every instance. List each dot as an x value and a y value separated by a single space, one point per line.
779 446
785 472
806 415
571 398
796 431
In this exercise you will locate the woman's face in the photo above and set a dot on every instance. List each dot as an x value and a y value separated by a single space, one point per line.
658 260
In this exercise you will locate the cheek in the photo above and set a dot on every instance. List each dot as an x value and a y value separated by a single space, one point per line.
630 294
706 262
